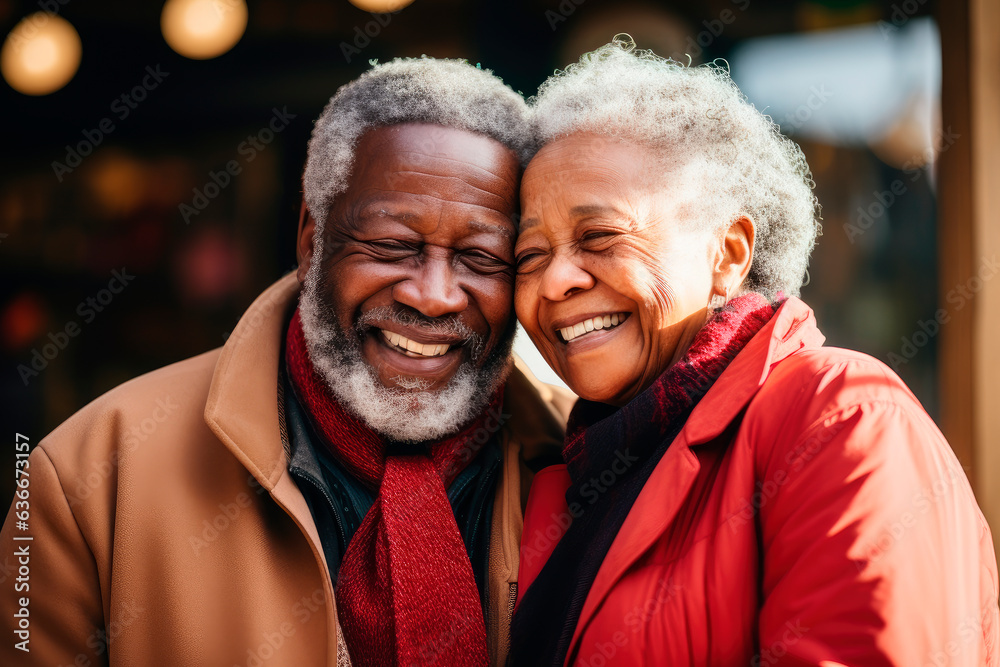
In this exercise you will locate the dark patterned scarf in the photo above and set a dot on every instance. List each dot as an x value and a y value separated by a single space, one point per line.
601 438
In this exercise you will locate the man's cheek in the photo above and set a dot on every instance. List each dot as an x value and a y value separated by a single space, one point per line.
498 308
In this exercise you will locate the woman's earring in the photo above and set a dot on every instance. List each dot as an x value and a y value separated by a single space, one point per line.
718 301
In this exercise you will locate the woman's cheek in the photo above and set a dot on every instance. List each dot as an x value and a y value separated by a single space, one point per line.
525 301
636 274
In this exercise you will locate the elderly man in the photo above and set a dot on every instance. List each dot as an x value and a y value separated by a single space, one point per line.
343 482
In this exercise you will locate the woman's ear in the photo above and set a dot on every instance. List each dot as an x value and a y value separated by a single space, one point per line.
304 242
735 256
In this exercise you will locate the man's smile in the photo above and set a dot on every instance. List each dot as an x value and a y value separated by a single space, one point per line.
396 350
417 349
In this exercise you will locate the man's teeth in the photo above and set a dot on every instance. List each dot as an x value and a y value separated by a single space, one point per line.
412 347
594 323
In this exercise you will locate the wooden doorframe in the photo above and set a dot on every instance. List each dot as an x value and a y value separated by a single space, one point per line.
969 242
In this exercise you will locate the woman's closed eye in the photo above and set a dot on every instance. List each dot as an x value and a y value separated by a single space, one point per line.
529 260
597 239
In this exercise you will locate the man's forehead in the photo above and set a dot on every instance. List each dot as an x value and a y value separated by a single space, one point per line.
404 169
427 141
391 208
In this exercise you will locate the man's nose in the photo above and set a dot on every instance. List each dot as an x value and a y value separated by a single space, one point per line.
433 289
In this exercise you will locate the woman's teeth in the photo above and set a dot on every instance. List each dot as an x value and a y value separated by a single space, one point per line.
412 348
592 324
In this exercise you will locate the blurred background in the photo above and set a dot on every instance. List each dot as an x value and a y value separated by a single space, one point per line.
152 154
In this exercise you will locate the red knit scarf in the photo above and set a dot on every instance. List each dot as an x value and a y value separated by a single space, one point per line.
406 594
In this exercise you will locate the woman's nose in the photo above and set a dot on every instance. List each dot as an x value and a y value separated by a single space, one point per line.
563 277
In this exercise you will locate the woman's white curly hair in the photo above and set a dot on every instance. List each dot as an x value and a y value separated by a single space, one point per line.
734 160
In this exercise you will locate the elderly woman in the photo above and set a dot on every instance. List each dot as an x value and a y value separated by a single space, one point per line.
734 491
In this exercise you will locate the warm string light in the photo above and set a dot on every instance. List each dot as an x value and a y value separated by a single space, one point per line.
41 54
202 29
380 6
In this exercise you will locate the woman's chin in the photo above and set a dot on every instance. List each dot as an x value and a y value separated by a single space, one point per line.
592 385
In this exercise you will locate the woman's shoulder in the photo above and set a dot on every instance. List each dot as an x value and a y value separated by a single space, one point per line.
831 378
821 390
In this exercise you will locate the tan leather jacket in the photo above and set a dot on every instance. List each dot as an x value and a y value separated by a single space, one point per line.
165 527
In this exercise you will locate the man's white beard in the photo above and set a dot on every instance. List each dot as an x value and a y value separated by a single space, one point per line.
402 415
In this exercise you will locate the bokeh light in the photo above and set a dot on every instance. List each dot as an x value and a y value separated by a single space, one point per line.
41 54
380 6
202 29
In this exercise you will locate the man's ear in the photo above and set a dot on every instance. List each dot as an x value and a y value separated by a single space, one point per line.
734 256
304 242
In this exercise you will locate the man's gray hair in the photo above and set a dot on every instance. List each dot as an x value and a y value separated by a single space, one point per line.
732 159
451 93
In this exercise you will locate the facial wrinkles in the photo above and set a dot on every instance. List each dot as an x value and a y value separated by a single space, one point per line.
434 174
660 284
408 414
633 258
339 238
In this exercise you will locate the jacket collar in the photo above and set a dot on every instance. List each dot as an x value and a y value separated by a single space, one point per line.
792 328
243 417
242 410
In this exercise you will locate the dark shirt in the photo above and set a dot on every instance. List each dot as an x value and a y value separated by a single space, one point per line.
339 502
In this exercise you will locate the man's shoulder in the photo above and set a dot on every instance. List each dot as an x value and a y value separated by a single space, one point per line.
136 409
536 415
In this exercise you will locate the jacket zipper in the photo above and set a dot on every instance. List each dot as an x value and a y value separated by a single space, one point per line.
330 505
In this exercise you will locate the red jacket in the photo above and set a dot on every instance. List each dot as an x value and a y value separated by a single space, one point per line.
808 513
